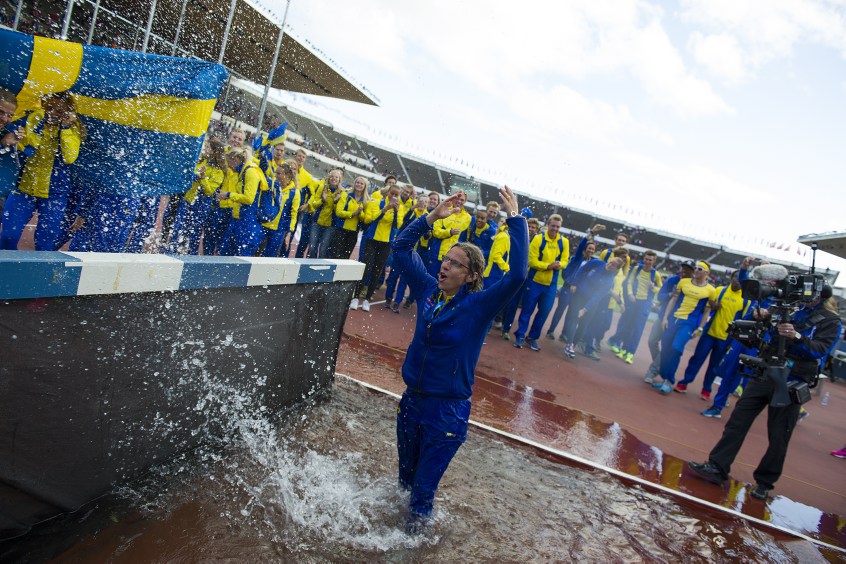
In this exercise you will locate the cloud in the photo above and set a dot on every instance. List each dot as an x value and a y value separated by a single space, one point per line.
721 55
755 32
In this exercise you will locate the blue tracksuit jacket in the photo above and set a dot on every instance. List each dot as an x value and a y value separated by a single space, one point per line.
445 349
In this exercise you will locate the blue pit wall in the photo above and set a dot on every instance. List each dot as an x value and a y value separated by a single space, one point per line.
113 363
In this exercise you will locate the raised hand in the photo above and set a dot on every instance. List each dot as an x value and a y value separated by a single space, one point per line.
509 201
444 209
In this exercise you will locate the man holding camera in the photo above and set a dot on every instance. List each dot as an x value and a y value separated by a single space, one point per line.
809 336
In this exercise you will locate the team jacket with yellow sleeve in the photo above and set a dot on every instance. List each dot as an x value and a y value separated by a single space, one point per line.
290 202
498 260
51 148
692 300
637 283
345 210
729 306
306 183
209 183
543 251
244 189
443 227
325 211
382 222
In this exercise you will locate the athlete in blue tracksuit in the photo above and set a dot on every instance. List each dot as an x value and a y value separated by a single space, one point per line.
591 285
453 316
584 252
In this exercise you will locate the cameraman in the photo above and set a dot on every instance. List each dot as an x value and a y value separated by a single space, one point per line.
809 337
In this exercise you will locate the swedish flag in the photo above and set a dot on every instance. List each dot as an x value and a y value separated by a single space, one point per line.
145 114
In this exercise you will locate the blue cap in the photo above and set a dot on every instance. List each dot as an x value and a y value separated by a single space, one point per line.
526 212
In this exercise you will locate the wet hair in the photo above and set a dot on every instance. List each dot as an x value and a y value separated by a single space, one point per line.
8 96
477 264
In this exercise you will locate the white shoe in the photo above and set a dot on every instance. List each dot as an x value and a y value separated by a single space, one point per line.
365 306
354 303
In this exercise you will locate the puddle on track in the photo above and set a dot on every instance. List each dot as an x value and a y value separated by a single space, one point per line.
321 485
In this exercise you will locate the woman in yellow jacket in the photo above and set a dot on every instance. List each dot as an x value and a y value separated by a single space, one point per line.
322 204
195 206
348 213
51 143
383 219
243 236
286 192
445 234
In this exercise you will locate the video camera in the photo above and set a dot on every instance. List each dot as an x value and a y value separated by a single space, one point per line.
785 295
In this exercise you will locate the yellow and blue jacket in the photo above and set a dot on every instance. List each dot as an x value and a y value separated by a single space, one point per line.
345 210
244 188
543 251
209 184
498 262
382 222
443 227
45 143
325 212
290 199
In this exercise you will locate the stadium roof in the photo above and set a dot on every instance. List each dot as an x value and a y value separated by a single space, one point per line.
833 242
249 50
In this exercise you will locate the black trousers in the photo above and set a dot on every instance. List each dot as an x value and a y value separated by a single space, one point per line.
780 424
375 258
343 243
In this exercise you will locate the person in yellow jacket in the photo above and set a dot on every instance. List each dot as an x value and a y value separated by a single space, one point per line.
383 219
348 213
307 185
51 142
284 193
549 252
446 232
195 207
243 236
322 205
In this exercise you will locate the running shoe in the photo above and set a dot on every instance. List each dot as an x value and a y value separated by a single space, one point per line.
708 471
680 388
738 391
803 415
533 344
518 342
615 349
570 351
365 305
839 453
592 355
562 338
649 379
664 387
712 412
388 304
621 353
705 396
395 308
407 304
550 336
761 492
354 303
506 336
497 324
629 358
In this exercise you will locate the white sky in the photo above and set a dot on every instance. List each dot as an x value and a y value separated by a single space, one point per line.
722 120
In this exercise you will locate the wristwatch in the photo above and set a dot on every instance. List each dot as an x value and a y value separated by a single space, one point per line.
514 213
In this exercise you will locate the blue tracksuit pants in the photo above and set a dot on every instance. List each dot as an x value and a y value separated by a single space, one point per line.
188 225
108 222
636 315
540 297
216 225
20 208
563 302
429 432
678 333
729 370
305 235
707 346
